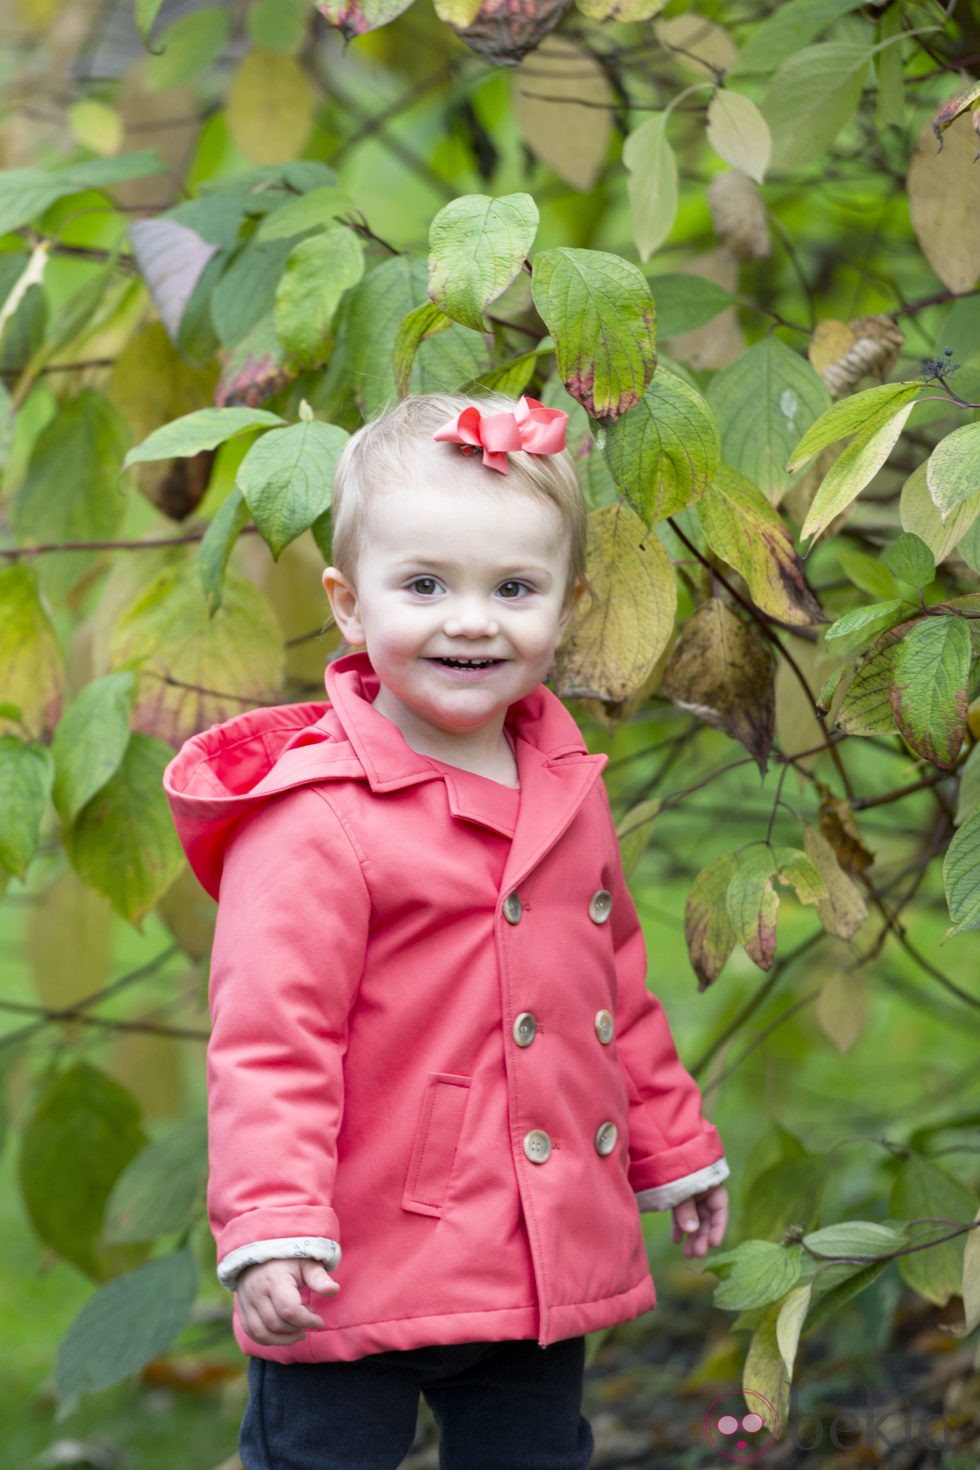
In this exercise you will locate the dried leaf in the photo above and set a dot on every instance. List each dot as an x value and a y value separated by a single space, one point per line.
944 202
696 44
721 339
563 107
840 829
946 115
615 640
739 214
504 31
845 352
722 670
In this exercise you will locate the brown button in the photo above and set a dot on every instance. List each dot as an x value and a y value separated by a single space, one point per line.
600 906
513 908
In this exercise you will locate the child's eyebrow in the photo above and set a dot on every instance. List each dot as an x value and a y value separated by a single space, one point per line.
501 573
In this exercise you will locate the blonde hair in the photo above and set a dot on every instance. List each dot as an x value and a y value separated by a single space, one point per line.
381 453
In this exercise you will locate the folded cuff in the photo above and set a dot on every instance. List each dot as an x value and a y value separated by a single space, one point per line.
290 1248
666 1196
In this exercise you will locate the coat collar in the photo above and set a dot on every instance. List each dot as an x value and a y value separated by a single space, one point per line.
556 769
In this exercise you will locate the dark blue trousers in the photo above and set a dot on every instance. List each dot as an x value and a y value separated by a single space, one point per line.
499 1406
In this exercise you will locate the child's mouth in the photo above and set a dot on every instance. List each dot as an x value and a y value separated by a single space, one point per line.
467 663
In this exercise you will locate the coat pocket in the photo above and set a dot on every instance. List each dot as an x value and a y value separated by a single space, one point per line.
436 1138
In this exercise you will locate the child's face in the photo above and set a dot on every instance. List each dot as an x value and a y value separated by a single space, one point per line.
459 597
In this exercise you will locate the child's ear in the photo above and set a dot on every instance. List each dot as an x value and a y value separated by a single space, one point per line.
342 596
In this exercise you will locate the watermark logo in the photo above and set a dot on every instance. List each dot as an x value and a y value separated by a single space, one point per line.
737 1427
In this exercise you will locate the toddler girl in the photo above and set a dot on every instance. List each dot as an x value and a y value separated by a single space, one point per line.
439 1090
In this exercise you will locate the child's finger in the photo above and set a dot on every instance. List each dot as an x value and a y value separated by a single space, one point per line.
317 1278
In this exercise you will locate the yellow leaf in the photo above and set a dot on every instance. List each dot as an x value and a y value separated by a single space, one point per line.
96 125
842 1009
765 1382
921 515
271 106
616 637
457 12
563 108
625 10
69 941
150 1068
697 44
789 1323
944 202
843 911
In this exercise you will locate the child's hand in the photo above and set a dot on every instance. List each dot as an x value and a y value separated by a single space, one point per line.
270 1307
703 1219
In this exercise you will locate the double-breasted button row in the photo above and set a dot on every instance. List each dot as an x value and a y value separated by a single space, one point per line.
538 1146
525 1027
600 907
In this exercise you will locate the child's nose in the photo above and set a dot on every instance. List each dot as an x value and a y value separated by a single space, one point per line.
471 618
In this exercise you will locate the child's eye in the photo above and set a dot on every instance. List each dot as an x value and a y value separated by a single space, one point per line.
512 589
424 586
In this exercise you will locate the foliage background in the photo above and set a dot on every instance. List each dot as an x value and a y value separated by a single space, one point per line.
254 214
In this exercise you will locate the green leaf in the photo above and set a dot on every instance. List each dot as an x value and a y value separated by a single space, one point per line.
664 454
866 706
191 43
922 516
868 573
929 688
246 292
634 832
425 321
953 469
25 193
924 1191
218 542
26 773
278 24
765 1387
146 13
90 741
652 183
763 401
512 377
318 272
686 302
784 1196
868 620
162 1190
709 932
910 559
126 1323
763 1271
599 310
814 93
856 1240
477 245
313 211
853 470
71 492
374 314
287 479
739 133
123 842
753 904
80 1135
787 30
961 876
858 414
196 666
31 671
741 527
795 870
969 792
206 428
789 1324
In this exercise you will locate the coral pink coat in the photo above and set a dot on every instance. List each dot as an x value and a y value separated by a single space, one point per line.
411 1053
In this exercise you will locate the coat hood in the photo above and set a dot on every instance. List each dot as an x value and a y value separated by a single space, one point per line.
226 773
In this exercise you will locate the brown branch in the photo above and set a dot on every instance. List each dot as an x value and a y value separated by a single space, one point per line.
12 553
47 1016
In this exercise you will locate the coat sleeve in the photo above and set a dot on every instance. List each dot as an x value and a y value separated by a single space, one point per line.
293 915
674 1152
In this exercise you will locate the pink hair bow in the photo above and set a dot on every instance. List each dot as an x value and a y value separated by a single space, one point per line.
531 427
